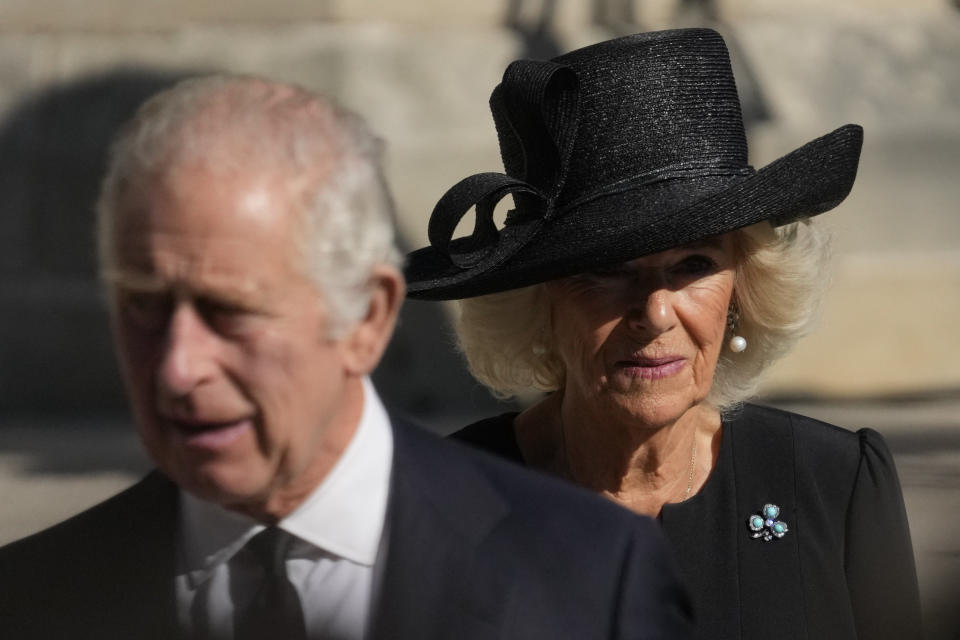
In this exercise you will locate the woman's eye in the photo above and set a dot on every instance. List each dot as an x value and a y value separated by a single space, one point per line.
695 265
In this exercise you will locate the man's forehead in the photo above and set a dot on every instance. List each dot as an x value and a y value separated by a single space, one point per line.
204 201
240 253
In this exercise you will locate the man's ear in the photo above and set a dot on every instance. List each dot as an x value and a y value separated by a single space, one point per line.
365 342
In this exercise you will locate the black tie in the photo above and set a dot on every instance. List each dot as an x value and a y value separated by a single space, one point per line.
275 611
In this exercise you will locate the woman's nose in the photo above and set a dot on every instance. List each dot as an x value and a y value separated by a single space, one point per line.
653 312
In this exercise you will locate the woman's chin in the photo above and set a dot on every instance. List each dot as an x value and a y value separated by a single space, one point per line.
650 409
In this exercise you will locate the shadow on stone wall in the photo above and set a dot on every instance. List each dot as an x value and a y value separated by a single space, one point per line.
55 355
533 23
537 37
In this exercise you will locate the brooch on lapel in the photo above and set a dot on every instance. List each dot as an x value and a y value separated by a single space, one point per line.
765 524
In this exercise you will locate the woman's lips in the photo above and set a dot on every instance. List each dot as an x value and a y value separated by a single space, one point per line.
651 368
198 434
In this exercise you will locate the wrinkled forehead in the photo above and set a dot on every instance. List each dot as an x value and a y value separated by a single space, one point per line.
229 240
196 218
208 191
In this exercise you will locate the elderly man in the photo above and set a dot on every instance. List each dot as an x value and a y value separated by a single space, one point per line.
247 253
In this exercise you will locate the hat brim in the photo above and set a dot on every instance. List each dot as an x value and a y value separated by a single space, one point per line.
806 182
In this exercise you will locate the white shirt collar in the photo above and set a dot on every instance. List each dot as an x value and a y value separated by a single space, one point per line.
344 515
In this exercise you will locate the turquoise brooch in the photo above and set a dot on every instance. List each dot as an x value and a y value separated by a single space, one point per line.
765 524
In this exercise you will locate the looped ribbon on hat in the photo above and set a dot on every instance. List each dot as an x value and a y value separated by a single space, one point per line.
543 100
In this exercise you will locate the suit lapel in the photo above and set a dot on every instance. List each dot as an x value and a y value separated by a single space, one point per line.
434 582
145 560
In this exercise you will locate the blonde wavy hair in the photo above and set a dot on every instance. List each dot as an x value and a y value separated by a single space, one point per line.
778 285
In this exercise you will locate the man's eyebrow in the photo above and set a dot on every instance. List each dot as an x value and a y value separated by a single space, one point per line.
138 282
132 280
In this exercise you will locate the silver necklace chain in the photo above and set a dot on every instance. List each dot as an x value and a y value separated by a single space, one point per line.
693 466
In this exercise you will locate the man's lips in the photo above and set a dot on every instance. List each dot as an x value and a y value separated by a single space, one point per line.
209 434
651 368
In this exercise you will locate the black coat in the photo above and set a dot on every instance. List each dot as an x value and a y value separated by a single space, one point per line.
477 548
843 570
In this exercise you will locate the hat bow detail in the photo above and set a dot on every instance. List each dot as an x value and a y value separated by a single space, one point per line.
544 99
537 112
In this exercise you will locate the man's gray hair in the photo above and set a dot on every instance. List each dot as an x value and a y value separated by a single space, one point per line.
237 124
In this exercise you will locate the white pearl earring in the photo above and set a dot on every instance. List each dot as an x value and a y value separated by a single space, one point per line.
737 344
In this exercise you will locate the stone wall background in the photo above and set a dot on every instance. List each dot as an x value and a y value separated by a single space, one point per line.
421 72
887 350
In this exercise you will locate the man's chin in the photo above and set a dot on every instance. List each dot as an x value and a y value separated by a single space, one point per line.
231 494
231 485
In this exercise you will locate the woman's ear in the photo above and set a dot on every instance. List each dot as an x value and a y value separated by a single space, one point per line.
365 342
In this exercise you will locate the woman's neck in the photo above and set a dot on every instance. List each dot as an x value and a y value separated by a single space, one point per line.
639 466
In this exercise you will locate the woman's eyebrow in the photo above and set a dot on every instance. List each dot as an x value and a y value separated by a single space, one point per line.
706 243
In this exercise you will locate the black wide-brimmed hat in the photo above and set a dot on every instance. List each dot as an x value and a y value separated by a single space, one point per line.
615 151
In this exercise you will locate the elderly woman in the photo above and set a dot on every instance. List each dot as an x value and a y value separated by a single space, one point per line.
646 278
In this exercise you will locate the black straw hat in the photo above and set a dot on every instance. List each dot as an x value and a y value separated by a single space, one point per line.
615 151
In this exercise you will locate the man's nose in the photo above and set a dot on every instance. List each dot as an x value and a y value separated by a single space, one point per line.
188 359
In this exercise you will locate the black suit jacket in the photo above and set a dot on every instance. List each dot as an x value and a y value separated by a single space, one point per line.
844 569
476 548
